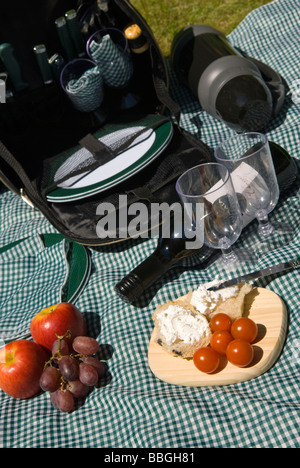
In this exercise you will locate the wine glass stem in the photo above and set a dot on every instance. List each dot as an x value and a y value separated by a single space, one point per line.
228 254
265 228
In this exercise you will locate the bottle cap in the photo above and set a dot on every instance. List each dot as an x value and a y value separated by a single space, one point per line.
39 49
60 22
129 288
70 15
132 286
43 62
136 39
103 5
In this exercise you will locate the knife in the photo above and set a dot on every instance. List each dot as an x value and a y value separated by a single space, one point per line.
12 66
280 267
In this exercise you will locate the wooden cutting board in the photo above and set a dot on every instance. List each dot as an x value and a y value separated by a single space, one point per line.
270 314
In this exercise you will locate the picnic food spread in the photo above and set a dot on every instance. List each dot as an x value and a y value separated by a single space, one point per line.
183 325
73 368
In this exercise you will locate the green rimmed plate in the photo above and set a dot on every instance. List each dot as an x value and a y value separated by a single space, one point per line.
146 147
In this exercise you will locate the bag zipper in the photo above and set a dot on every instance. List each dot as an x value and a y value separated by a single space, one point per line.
26 199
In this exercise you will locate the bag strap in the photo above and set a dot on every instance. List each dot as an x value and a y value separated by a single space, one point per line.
101 153
164 97
12 162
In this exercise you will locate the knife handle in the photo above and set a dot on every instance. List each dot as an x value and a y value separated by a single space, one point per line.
295 263
12 66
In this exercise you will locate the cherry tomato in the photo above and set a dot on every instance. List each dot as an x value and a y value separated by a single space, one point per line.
244 329
240 353
220 340
206 360
220 322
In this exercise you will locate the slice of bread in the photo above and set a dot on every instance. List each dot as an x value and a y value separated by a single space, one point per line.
180 328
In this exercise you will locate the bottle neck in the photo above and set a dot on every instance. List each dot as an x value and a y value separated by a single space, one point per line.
140 50
137 42
132 286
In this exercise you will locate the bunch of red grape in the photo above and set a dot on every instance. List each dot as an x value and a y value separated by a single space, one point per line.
72 371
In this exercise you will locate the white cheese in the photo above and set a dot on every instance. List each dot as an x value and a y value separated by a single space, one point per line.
206 301
178 323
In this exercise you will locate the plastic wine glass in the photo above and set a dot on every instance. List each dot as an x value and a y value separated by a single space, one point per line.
82 82
108 47
248 157
210 202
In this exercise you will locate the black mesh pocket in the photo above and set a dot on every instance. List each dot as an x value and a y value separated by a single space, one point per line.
94 151
154 184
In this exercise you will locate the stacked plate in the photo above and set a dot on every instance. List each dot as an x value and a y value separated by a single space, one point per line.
142 150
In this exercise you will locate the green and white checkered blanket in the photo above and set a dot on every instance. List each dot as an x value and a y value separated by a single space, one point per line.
136 409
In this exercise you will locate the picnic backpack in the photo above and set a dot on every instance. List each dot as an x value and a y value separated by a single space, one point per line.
41 132
46 143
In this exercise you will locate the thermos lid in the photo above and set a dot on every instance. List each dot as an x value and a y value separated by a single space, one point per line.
240 91
231 89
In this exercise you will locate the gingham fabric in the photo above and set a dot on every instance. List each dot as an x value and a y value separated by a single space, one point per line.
115 65
36 269
86 93
135 409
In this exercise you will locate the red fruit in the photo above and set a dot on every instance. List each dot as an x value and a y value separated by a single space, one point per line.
220 322
244 329
85 345
240 353
220 340
206 360
21 365
57 320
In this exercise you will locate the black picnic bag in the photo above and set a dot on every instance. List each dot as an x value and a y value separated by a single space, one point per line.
40 129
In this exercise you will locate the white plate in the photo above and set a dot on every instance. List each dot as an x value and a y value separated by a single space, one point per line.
141 152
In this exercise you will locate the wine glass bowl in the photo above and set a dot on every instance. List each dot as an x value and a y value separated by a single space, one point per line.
249 159
82 82
109 49
210 202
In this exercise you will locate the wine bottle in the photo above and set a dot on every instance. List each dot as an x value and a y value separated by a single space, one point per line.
169 252
137 41
142 67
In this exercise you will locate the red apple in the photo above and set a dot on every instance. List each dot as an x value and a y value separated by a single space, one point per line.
21 365
57 320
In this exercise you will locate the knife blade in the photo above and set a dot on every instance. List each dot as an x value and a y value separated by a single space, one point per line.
278 268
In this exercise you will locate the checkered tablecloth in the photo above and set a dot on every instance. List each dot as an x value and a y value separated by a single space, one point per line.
135 409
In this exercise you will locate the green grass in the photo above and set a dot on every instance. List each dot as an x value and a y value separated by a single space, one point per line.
167 17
